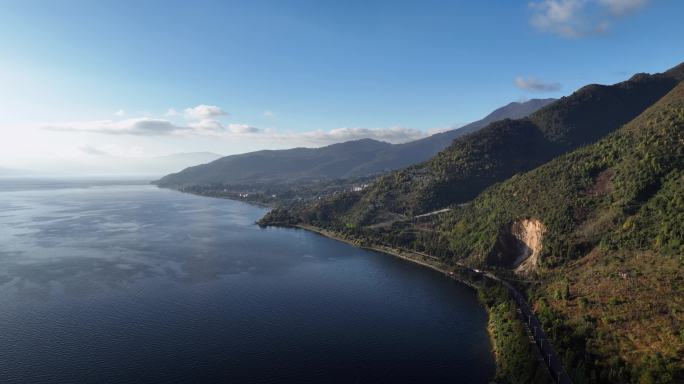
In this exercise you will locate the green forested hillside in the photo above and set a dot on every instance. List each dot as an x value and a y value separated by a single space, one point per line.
624 191
609 283
495 153
612 262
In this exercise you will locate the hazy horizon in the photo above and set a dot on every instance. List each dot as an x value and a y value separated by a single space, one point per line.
81 93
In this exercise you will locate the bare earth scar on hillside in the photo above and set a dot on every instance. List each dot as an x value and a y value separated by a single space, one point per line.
519 245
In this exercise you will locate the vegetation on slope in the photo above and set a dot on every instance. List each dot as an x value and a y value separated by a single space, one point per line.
611 293
609 285
622 192
493 154
517 361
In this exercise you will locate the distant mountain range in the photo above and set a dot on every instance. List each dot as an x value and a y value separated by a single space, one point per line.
349 159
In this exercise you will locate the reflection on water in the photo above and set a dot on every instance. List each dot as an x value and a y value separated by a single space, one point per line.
116 235
121 283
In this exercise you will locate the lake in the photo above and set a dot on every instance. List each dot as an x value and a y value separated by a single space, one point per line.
124 282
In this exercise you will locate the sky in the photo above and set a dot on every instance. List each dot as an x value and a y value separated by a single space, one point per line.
84 83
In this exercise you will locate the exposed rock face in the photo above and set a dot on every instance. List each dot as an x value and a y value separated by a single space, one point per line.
518 245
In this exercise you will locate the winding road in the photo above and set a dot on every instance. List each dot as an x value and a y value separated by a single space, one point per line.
534 329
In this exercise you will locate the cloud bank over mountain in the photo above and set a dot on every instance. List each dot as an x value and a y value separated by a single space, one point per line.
209 120
580 18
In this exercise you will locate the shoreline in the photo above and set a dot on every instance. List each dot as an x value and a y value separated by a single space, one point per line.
436 266
386 250
232 198
417 258
409 256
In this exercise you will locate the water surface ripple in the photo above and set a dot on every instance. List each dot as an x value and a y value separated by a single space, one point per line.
130 283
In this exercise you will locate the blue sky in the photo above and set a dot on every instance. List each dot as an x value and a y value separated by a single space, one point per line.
277 74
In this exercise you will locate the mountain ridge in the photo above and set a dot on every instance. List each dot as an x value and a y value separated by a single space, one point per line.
500 150
355 158
612 245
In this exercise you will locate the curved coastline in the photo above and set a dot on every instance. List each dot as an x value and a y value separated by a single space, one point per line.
555 370
466 275
413 257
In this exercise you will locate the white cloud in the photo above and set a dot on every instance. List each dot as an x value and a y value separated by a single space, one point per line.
207 125
203 111
561 17
202 120
120 112
536 85
242 128
621 7
92 151
145 126
391 135
269 114
142 126
434 131
577 18
150 126
159 127
111 150
211 126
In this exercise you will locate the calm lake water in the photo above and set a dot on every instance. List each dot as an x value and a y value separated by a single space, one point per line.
102 282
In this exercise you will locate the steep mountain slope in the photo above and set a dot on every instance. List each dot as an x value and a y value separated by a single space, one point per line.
623 191
350 159
611 258
605 223
414 152
499 151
